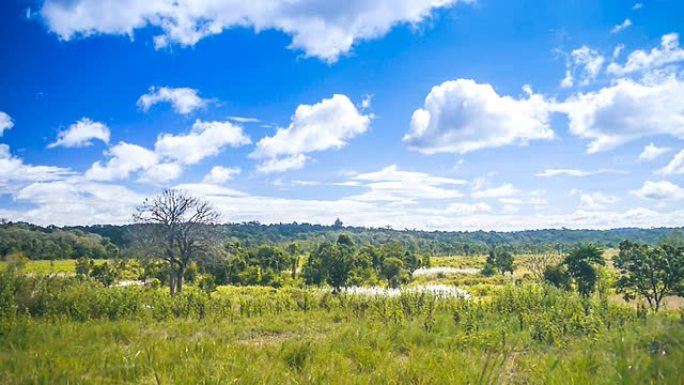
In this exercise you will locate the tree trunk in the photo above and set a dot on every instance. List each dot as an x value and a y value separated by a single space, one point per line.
179 280
172 283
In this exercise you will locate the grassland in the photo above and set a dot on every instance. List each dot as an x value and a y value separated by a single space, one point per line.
43 267
512 331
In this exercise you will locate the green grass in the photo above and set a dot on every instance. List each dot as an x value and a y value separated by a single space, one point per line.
81 333
43 267
329 347
63 330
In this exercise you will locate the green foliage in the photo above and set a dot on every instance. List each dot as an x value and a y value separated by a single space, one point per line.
580 264
557 276
392 270
498 261
52 243
330 263
191 272
105 273
652 273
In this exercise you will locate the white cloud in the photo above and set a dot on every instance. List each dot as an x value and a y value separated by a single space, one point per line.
626 111
5 122
621 27
171 153
659 191
320 28
637 6
574 172
463 116
618 50
395 186
161 173
183 100
505 190
75 201
242 119
669 52
468 209
366 102
205 139
124 158
329 124
81 134
651 151
292 162
220 175
13 170
596 201
675 166
583 62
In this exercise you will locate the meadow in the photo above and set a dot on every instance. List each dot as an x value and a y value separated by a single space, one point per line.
512 330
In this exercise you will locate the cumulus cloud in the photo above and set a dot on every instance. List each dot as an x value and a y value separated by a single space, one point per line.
171 153
622 26
204 139
82 134
292 162
596 201
660 191
651 151
320 28
583 62
328 124
668 52
462 116
219 175
161 173
124 158
183 100
574 172
626 111
675 166
5 122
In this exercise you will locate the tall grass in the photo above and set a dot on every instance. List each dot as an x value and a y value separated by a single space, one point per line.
62 330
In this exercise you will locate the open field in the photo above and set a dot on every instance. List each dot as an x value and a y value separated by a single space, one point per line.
43 267
258 335
511 330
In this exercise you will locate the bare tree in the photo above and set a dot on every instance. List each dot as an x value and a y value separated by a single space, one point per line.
538 263
180 224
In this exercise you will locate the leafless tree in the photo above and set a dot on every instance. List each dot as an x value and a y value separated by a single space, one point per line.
538 263
180 224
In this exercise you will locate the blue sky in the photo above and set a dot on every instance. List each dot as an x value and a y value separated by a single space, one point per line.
429 114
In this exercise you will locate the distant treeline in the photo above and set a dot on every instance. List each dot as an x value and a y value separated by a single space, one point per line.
106 241
53 243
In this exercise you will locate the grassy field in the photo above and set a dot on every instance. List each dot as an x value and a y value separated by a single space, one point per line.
61 330
42 267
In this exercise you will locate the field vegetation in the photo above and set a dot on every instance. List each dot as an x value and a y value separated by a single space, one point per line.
182 304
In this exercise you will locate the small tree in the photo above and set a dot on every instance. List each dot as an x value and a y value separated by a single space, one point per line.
580 264
179 224
498 261
652 273
293 251
557 276
392 269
